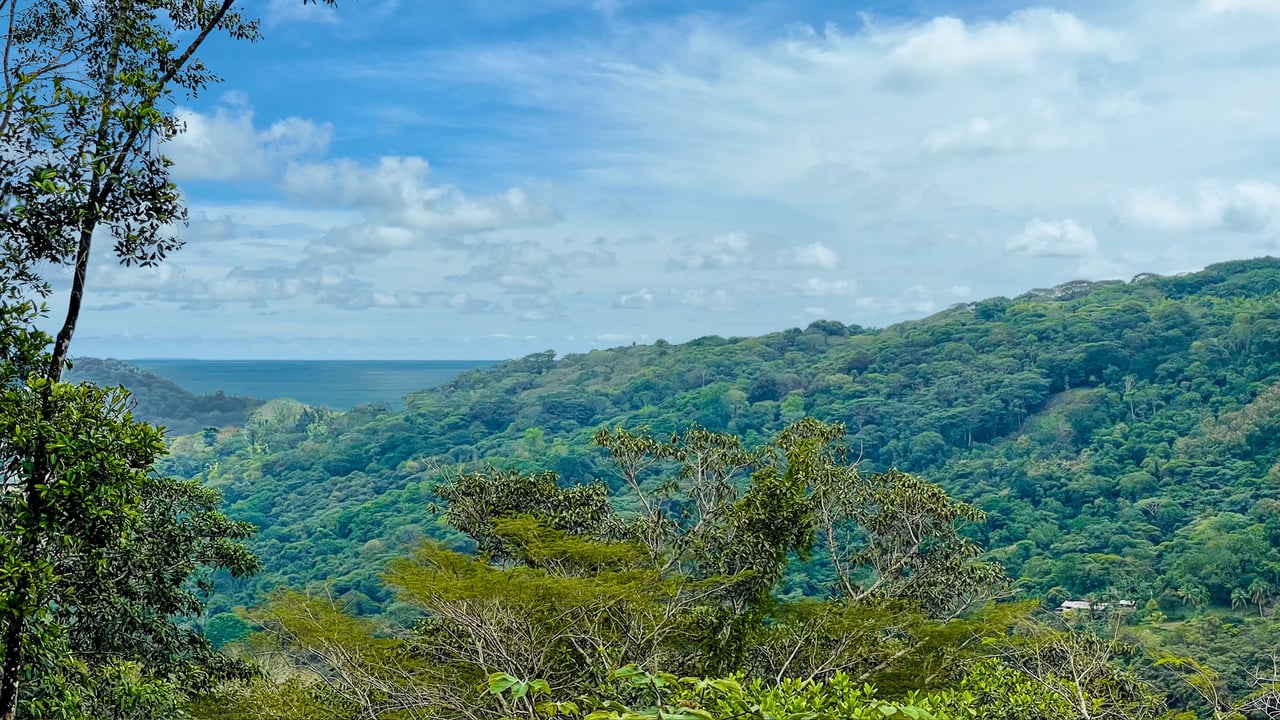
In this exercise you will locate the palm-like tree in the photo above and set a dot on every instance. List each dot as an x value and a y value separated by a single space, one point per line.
1239 598
1194 595
1260 592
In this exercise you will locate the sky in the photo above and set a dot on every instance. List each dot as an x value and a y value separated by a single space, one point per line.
417 179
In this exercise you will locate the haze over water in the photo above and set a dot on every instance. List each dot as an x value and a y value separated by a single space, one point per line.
338 384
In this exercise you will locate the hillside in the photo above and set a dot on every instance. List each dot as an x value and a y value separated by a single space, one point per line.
162 402
1120 436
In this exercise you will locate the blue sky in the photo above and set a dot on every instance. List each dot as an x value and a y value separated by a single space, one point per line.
485 179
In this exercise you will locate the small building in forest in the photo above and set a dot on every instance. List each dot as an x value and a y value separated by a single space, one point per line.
1091 606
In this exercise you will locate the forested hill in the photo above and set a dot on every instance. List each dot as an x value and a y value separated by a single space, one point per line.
1122 437
160 401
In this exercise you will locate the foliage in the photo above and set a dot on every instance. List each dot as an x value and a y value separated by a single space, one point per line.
119 555
566 590
1118 437
100 556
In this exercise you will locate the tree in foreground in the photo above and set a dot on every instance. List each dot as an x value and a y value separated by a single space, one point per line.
660 600
123 554
97 553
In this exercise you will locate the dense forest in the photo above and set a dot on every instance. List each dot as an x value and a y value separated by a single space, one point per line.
1062 505
1120 440
1121 437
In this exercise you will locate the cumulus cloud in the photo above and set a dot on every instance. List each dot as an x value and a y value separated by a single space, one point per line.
915 300
1221 7
726 251
814 256
521 283
739 250
1054 238
225 144
947 45
538 308
641 299
1040 128
1250 206
817 287
497 258
977 134
705 299
467 304
402 207
913 148
399 299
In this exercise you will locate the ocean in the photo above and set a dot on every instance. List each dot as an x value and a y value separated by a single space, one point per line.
337 384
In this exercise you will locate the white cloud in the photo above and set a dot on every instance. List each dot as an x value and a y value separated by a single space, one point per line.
402 208
641 299
817 287
1040 127
739 250
226 145
1054 238
514 283
467 304
947 45
704 299
915 300
976 134
1221 7
1250 206
398 300
812 256
530 267
755 153
721 252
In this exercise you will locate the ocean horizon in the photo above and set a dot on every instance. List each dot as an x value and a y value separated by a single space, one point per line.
337 384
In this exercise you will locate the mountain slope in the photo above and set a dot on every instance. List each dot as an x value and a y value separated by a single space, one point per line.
160 401
1119 435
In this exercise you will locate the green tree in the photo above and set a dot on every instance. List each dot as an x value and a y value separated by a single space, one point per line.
88 92
682 576
121 554
1259 592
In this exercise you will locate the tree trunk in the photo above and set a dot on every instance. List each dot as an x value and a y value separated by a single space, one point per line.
12 662
25 593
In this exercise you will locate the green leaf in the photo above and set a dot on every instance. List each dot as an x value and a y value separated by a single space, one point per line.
727 686
500 682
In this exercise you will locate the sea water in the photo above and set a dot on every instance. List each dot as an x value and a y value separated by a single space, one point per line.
337 384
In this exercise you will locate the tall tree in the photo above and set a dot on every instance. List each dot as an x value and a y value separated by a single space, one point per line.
87 104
